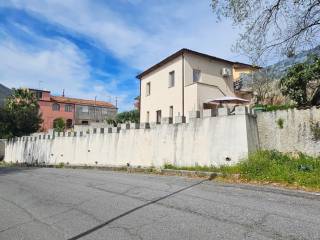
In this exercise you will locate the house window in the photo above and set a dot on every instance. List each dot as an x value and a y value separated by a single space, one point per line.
196 75
84 109
148 88
158 113
55 107
68 108
38 94
147 117
171 79
171 112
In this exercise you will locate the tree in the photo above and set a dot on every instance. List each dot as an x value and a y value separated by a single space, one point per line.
280 25
59 125
302 81
4 124
128 116
260 84
20 116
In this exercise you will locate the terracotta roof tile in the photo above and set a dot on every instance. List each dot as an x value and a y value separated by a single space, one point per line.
82 102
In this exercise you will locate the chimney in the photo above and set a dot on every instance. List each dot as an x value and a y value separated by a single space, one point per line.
63 93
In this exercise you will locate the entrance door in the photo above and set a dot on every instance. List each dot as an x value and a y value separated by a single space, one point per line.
69 123
159 116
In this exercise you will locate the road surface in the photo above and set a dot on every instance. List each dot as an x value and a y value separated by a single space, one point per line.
91 204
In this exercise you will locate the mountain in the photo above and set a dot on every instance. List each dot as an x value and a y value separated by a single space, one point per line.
277 70
4 93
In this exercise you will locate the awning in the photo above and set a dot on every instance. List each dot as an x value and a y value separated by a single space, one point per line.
228 99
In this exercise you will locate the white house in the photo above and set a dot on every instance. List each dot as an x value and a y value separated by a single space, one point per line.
184 81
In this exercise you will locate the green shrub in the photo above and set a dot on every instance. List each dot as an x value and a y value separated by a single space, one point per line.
269 108
124 117
271 166
280 123
274 166
59 125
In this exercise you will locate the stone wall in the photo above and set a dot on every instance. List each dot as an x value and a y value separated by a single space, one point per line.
223 139
296 134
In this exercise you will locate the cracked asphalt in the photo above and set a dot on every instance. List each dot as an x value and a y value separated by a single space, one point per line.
69 204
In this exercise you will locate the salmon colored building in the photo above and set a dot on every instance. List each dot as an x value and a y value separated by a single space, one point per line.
71 110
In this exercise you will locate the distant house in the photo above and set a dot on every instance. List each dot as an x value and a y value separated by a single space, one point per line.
184 81
72 110
4 93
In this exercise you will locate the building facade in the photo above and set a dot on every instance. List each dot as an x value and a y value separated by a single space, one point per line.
183 82
71 110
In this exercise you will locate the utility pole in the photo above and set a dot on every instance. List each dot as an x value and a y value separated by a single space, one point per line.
39 84
95 102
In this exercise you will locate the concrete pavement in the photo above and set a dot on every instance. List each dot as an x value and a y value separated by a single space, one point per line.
91 204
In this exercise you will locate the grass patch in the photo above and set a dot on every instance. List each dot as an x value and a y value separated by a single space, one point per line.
273 166
5 164
60 165
300 171
222 169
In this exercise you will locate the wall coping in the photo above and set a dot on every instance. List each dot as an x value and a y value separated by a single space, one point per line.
224 112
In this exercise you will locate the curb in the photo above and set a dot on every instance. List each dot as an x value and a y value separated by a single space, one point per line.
166 172
160 171
186 173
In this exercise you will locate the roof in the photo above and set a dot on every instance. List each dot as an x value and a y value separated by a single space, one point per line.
84 102
38 90
185 50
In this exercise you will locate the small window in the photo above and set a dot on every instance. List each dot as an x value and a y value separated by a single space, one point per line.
84 109
158 115
68 108
55 107
171 112
148 90
196 75
147 117
171 79
38 94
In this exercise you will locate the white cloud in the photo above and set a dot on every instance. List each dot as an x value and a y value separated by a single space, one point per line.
85 17
145 31
138 32
55 64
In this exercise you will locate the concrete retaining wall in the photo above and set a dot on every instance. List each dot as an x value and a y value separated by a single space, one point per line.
208 141
296 134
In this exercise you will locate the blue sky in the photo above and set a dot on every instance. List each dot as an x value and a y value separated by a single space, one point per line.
96 48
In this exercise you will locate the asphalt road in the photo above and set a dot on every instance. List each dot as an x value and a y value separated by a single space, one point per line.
91 204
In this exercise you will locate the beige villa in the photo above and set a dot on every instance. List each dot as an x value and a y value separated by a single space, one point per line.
184 81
